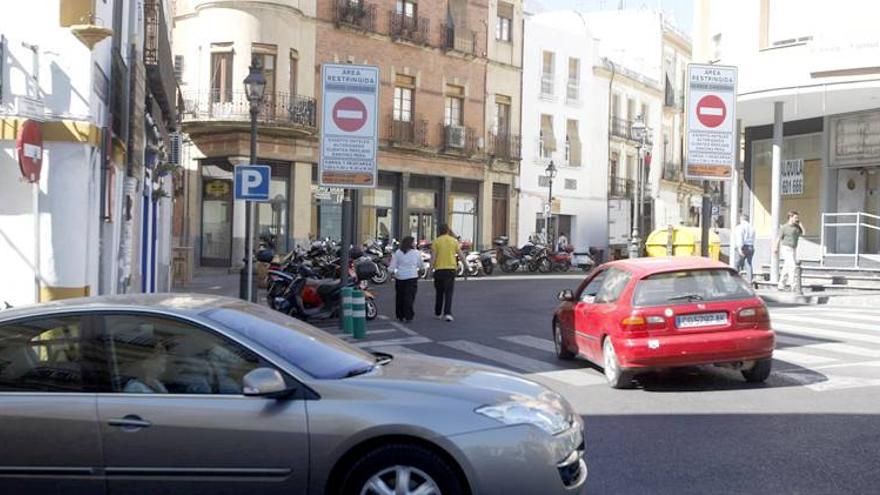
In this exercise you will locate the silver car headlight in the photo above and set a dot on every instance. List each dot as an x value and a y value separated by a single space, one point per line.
544 415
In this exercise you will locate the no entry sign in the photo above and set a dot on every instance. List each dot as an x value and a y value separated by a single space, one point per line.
711 133
29 147
349 126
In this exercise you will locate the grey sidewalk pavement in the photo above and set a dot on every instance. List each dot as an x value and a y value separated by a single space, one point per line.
215 281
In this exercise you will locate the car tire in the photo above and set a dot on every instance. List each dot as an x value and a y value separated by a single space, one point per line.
759 372
561 351
616 376
383 464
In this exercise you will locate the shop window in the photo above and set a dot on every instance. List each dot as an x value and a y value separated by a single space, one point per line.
463 216
377 214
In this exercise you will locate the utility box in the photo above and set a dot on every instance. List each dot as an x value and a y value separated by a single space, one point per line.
681 241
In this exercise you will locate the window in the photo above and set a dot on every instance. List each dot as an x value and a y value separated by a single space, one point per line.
573 89
406 8
707 285
572 144
547 70
377 213
403 98
589 293
454 103
612 287
645 113
502 115
547 142
571 184
221 72
504 22
630 110
46 355
294 70
543 181
463 216
615 106
178 68
153 355
266 56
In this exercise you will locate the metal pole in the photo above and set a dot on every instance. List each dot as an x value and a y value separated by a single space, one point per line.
734 191
248 224
549 239
36 198
346 237
634 242
776 186
705 220
858 237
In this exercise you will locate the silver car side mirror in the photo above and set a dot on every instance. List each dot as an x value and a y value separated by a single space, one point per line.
264 382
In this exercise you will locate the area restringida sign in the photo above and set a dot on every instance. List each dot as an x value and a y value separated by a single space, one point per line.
349 126
711 132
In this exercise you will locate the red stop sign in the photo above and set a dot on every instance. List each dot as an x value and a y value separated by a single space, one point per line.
711 111
349 114
29 148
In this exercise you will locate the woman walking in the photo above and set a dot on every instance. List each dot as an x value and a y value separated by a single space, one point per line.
405 264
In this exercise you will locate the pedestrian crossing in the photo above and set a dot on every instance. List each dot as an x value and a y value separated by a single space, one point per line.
821 349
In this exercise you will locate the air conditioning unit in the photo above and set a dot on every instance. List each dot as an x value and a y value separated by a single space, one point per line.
455 136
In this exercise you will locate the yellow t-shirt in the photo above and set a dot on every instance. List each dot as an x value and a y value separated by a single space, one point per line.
445 248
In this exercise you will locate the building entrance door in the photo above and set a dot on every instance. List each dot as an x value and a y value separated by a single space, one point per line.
421 225
216 245
852 193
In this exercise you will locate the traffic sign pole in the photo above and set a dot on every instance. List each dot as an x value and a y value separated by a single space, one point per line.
345 255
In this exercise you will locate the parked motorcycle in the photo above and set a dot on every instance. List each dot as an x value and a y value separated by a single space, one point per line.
487 261
309 298
425 250
509 259
377 252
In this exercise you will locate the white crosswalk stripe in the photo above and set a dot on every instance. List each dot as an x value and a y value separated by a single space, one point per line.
531 341
505 358
845 349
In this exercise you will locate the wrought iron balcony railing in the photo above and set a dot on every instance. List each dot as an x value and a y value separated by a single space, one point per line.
458 39
620 188
355 14
412 133
458 139
505 146
409 28
277 108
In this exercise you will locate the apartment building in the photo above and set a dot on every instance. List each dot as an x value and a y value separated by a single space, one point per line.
449 114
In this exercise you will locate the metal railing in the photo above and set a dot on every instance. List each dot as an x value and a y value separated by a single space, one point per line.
547 85
458 40
409 28
358 15
458 139
672 172
409 132
619 187
850 233
623 128
505 146
277 108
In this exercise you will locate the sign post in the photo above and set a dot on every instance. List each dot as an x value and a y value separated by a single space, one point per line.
29 148
711 132
251 184
349 137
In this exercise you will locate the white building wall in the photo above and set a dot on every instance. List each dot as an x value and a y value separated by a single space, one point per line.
566 35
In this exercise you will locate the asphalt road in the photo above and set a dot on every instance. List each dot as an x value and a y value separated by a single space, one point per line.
813 428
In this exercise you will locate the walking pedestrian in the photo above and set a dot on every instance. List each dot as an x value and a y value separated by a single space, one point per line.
405 264
445 249
744 247
786 248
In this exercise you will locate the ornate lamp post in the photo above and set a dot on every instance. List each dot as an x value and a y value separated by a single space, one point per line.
548 213
638 133
255 87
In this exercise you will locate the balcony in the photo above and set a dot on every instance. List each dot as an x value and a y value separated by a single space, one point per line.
547 86
278 109
158 60
458 40
457 139
622 128
355 15
409 28
672 172
505 146
619 188
573 90
408 133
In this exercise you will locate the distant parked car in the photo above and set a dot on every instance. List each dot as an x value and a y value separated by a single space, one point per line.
194 394
639 315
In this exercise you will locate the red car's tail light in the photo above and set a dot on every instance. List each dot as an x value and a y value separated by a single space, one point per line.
754 316
634 325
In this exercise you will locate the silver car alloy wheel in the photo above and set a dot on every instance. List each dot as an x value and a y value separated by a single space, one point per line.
400 480
612 370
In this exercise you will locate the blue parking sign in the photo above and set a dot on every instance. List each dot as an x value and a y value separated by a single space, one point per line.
252 182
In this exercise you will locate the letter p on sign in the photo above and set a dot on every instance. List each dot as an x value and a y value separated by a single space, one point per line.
252 182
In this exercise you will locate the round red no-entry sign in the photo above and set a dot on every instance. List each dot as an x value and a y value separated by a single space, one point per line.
349 114
29 147
711 111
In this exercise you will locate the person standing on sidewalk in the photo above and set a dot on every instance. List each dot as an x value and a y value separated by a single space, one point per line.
405 264
786 247
744 247
446 250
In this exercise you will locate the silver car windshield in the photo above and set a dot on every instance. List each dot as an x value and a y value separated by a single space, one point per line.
312 350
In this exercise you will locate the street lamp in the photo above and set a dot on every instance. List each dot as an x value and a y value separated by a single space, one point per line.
255 87
548 214
638 130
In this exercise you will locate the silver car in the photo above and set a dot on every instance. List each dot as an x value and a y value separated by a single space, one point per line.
196 394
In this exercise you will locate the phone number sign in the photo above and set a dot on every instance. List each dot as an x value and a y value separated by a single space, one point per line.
793 177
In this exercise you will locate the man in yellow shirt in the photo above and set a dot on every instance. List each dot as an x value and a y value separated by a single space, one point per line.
445 249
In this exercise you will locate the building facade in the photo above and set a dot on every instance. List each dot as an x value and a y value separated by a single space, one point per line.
827 106
449 114
216 42
93 76
561 98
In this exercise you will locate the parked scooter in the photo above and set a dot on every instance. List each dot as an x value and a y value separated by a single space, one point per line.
509 258
377 252
487 261
425 251
309 298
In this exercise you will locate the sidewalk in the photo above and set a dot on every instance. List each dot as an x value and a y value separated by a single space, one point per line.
214 281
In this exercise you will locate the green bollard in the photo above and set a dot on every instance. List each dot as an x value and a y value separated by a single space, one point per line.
359 314
347 321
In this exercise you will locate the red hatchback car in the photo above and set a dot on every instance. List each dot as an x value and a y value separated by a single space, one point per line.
650 313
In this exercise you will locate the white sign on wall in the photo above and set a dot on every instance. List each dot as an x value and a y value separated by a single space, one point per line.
711 132
349 124
793 177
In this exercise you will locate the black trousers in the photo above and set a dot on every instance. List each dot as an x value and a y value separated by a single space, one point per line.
444 284
406 297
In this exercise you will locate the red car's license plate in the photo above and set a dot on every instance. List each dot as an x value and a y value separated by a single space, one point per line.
701 320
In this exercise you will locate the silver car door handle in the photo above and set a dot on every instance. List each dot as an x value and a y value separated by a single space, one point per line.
130 421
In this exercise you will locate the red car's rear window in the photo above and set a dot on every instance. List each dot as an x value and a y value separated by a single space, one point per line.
689 286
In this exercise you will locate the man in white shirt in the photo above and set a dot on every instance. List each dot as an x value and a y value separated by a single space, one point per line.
744 247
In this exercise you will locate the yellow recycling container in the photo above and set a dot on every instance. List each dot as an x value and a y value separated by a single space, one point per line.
685 242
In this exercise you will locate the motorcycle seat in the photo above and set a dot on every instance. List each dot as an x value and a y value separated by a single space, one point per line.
328 287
